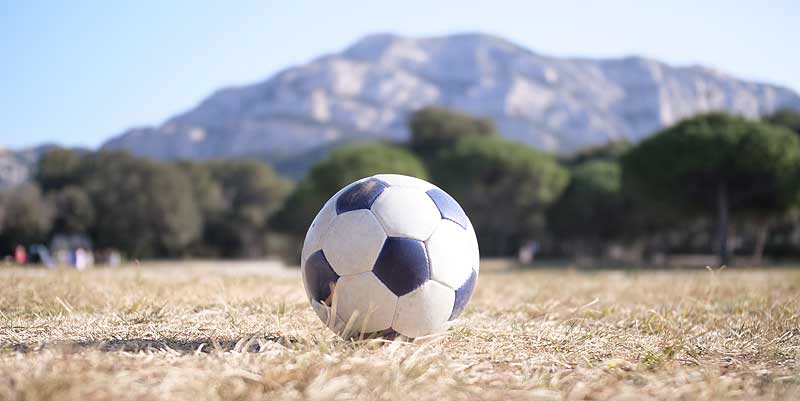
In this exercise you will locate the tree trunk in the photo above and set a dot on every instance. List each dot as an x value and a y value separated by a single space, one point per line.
761 241
723 216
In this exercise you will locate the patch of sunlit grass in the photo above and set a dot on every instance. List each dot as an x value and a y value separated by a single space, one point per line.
247 332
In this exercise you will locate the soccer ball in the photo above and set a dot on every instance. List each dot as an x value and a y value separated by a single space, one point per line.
390 254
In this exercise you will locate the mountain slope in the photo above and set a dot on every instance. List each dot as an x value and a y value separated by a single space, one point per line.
14 169
369 89
17 166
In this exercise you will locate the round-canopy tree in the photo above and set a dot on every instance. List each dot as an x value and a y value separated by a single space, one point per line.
144 208
591 210
504 186
25 217
341 168
74 210
436 128
58 168
718 162
785 118
251 192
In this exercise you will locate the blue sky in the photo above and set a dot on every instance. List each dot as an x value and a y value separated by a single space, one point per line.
77 73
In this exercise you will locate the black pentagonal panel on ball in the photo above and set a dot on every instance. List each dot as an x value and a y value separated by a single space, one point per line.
462 295
360 196
402 265
319 276
448 207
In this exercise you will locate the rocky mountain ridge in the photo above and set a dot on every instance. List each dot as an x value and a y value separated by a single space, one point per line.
369 89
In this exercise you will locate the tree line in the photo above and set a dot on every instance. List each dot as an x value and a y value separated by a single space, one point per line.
697 186
147 209
692 187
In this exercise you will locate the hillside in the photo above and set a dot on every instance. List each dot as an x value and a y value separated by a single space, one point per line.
369 89
17 166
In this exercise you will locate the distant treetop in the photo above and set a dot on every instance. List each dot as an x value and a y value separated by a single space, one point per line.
434 128
785 118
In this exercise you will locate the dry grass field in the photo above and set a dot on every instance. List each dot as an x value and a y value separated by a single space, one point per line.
246 333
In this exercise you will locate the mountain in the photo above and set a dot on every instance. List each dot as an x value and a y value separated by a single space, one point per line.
369 89
14 170
17 166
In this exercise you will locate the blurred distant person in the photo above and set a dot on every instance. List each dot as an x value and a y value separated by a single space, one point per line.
114 258
20 255
109 257
41 255
81 259
527 252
